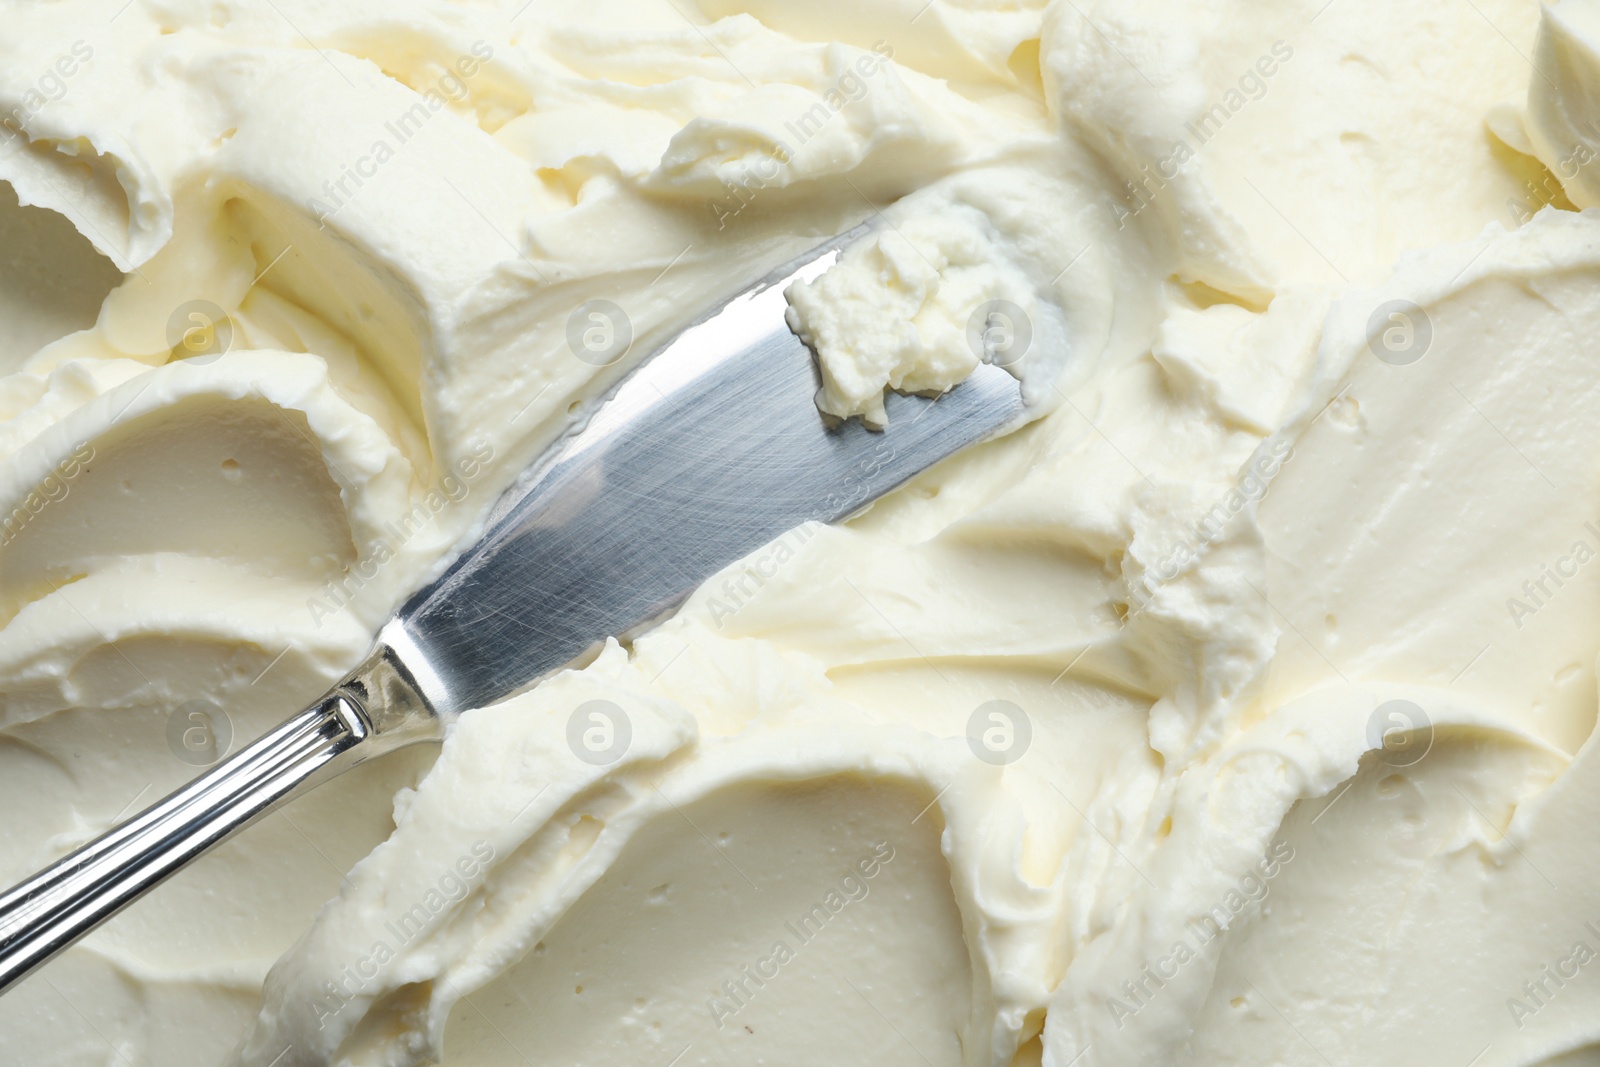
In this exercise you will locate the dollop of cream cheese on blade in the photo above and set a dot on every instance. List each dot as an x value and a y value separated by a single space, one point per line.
1237 709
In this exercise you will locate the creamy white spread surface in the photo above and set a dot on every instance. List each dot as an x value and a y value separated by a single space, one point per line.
1236 710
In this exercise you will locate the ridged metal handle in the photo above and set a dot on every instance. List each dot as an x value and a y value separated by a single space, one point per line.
374 710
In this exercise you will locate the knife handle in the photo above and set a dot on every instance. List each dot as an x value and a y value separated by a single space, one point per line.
374 710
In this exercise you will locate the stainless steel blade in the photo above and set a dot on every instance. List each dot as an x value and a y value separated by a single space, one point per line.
705 453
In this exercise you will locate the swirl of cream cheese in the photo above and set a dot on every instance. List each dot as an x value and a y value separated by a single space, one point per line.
1237 709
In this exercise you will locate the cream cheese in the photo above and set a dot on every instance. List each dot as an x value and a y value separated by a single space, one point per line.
915 308
1235 710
